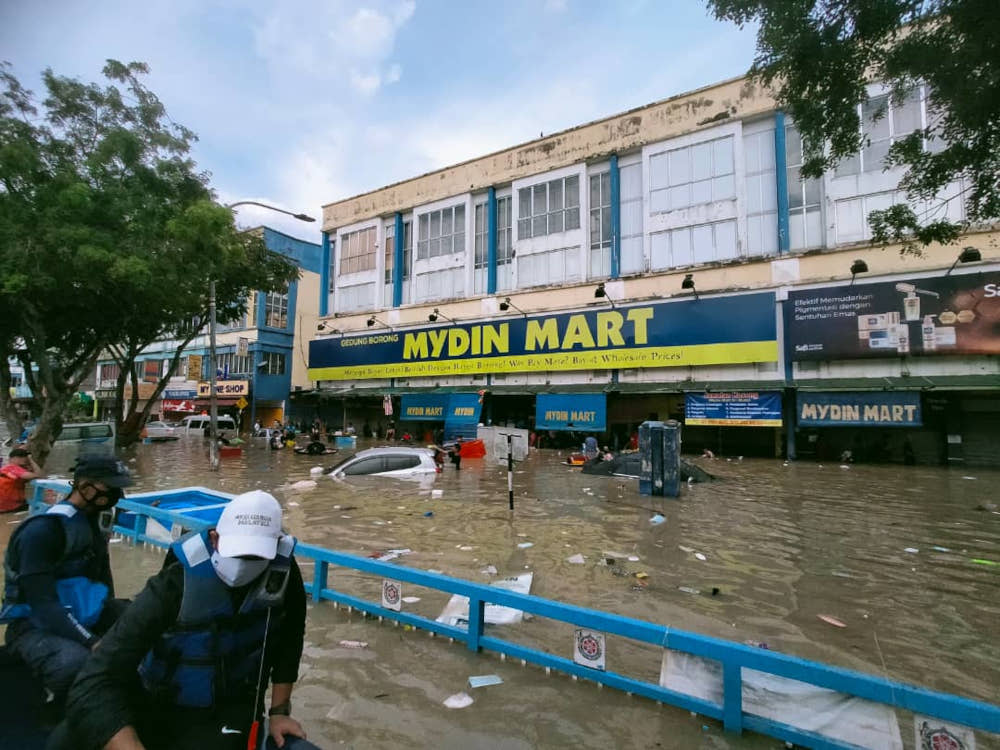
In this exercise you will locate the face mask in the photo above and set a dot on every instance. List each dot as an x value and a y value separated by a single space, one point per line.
235 572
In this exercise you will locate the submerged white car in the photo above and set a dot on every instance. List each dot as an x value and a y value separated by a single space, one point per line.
387 462
160 431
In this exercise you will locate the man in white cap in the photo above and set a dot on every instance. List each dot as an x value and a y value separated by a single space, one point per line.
189 662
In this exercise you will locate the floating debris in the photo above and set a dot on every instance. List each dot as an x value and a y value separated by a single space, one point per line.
458 700
354 644
700 556
657 519
830 620
485 680
525 545
576 559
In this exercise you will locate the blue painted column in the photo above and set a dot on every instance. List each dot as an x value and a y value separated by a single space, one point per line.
260 302
324 278
397 262
781 181
616 218
491 241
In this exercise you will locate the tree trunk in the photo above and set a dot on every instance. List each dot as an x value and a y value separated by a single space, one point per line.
10 414
47 429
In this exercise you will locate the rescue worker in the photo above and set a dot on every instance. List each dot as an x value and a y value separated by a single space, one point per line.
58 592
188 664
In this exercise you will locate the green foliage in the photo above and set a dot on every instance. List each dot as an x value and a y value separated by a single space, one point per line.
817 56
108 232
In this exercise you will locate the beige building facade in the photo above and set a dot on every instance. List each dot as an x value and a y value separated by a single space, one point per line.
671 260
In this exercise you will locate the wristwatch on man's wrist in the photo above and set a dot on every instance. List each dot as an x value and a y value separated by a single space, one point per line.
282 709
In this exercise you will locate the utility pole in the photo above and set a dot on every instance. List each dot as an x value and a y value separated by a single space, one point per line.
213 406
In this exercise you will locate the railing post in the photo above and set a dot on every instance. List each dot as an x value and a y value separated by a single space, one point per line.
320 569
732 697
477 616
139 530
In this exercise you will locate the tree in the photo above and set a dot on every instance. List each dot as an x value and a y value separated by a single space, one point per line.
817 56
203 246
99 200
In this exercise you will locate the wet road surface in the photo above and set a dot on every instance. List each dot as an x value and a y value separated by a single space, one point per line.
887 550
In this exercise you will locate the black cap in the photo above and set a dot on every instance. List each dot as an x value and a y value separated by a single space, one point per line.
19 453
105 469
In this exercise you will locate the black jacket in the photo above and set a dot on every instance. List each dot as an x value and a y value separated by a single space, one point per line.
107 694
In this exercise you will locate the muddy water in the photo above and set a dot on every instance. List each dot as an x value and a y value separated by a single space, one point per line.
886 550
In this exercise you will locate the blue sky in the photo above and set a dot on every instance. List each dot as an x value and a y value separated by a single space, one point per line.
302 102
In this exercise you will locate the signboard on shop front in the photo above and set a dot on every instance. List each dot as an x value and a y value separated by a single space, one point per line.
721 330
733 409
916 317
876 409
441 407
226 388
579 411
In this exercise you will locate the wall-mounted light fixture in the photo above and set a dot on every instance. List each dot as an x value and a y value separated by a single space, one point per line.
507 304
601 293
325 326
968 255
438 314
688 283
858 266
373 320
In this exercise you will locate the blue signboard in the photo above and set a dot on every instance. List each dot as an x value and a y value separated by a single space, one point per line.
441 407
875 409
734 409
723 330
586 412
180 393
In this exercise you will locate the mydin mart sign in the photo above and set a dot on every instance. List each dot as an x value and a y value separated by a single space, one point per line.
720 330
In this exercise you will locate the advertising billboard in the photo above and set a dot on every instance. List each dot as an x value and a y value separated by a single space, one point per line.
710 331
917 317
736 409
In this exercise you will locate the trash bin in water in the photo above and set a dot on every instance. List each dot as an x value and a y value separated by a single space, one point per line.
346 441
659 458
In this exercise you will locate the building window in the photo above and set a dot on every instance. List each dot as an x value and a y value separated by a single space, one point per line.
551 267
690 245
505 244
356 297
231 363
331 284
882 124
442 232
109 375
632 256
691 176
600 225
357 251
805 223
390 259
480 248
276 310
548 207
760 179
274 364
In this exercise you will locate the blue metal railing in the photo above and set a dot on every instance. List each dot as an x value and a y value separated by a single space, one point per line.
734 657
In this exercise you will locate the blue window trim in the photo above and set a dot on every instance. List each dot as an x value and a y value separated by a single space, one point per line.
781 182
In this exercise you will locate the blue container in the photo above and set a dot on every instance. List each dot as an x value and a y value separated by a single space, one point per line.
346 441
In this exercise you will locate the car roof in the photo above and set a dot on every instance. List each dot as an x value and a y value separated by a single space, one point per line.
403 449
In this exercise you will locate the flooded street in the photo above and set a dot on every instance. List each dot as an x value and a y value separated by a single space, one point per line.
887 550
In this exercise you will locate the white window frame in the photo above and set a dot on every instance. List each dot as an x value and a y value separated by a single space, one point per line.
573 241
631 160
598 245
705 213
764 127
278 302
800 187
456 262
372 276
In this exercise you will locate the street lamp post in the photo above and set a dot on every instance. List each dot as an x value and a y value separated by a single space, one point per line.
213 404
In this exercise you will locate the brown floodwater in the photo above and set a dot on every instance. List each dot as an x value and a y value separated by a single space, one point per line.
887 550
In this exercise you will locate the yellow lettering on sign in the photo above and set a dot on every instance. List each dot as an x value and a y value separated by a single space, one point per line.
438 339
542 335
639 317
496 338
458 342
609 329
578 332
415 346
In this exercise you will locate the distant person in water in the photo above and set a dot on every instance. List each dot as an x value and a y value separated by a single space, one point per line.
706 453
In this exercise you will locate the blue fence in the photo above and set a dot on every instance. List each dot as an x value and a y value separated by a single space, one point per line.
734 657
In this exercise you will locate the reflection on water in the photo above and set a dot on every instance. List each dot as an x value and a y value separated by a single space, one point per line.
886 550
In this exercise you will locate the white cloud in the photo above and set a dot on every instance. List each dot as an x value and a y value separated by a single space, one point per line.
340 41
394 73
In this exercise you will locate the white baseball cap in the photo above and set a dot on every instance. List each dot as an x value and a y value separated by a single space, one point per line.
250 525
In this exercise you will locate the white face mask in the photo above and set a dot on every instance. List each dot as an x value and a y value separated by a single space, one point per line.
235 572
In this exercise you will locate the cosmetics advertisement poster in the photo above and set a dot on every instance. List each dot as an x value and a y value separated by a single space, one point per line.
908 317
